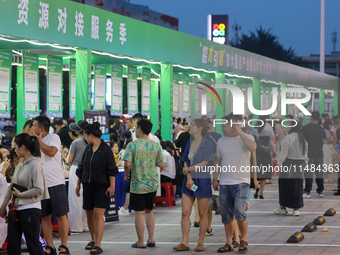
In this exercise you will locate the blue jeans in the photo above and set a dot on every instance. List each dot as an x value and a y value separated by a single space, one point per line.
233 201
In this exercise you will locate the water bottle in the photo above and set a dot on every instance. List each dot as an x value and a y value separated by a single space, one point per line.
13 212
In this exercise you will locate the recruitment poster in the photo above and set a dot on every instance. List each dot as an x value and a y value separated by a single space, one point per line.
132 91
146 76
54 86
72 88
5 83
99 87
117 90
31 85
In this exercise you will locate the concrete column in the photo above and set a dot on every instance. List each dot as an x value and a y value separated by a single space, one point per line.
256 95
335 103
166 101
83 82
220 110
154 109
322 101
20 95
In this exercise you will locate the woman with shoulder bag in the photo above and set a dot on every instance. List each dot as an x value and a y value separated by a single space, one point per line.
28 187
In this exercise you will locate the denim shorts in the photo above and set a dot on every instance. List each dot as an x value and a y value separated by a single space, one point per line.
233 202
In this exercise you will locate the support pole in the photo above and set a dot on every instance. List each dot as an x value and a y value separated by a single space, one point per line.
322 38
166 101
283 85
219 79
154 109
335 103
322 101
83 82
20 95
256 95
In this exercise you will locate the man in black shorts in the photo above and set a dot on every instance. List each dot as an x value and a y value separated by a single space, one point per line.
141 158
50 146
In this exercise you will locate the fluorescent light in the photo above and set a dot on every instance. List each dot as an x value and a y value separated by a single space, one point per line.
38 43
17 52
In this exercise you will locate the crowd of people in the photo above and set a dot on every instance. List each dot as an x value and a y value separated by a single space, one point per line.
198 162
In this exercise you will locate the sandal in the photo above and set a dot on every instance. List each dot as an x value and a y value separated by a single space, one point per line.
243 247
67 252
96 250
53 250
261 195
225 248
90 245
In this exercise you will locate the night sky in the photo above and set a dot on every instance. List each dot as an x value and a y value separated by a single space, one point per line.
295 22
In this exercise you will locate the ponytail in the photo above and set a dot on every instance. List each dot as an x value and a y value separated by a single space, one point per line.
35 147
31 143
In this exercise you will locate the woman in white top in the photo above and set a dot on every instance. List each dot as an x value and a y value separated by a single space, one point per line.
169 172
292 158
28 187
76 215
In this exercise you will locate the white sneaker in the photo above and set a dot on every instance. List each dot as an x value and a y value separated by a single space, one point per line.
122 211
296 213
306 194
133 212
280 211
335 189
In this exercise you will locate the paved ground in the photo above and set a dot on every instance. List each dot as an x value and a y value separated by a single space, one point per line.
267 232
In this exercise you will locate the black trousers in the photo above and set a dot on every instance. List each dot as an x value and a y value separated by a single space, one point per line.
29 224
317 163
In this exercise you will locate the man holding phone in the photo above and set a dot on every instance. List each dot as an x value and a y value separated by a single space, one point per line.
141 158
233 149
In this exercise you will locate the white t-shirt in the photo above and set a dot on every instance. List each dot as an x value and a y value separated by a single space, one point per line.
236 155
53 170
170 167
36 205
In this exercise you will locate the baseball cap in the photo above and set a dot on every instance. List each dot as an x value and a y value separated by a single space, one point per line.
79 126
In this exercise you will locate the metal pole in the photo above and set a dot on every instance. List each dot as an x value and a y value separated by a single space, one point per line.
322 38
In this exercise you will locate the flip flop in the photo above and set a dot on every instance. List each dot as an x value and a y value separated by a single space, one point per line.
135 245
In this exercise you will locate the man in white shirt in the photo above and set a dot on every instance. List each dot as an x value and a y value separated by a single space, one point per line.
50 146
232 157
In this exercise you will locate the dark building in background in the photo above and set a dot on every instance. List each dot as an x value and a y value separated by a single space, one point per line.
135 11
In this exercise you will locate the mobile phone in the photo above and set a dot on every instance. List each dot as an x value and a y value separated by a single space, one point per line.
194 188
107 194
